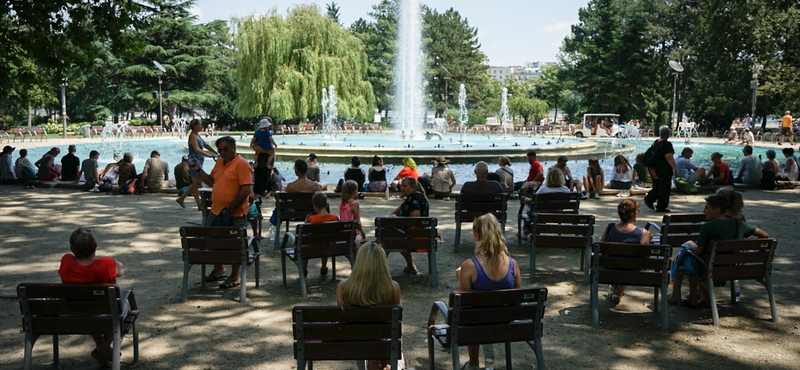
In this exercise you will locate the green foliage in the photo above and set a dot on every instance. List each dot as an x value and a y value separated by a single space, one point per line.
333 11
530 109
378 39
476 117
283 63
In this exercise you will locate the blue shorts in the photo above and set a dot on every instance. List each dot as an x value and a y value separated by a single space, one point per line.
199 159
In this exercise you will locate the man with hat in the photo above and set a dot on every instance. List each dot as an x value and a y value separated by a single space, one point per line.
70 165
572 184
7 173
749 168
786 128
442 178
747 137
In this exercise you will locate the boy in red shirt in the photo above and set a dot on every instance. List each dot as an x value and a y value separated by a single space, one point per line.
320 203
81 267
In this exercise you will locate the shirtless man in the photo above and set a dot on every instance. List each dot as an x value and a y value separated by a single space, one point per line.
302 184
561 164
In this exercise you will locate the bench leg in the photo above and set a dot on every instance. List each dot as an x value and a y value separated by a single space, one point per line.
454 350
533 263
432 268
733 292
333 268
202 275
243 285
509 365
664 323
458 236
30 340
117 345
594 303
712 300
772 306
303 292
135 344
55 351
283 267
537 350
185 285
431 355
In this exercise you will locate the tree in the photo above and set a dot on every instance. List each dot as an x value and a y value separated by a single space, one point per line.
378 39
530 109
285 62
554 85
333 11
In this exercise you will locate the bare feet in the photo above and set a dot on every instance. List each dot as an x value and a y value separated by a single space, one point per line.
180 202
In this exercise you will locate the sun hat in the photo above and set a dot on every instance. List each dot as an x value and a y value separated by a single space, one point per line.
440 160
265 122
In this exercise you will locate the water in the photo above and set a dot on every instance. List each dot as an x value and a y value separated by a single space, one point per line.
330 113
409 83
463 117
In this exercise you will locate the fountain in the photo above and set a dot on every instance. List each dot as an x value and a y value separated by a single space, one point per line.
112 135
463 117
330 113
504 114
409 83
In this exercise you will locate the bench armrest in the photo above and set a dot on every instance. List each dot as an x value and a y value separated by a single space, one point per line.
438 307
654 225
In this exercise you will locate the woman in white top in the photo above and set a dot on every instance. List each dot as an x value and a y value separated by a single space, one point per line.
506 174
792 167
623 174
554 182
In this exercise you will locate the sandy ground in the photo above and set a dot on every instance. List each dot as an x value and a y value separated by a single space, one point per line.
213 331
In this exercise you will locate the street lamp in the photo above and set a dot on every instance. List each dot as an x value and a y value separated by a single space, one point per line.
754 85
160 96
64 107
678 68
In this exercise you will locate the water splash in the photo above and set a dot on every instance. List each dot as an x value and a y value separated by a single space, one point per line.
463 117
113 134
504 114
409 101
330 113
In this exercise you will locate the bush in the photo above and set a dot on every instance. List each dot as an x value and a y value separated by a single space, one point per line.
142 122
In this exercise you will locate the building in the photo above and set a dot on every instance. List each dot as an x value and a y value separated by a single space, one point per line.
521 73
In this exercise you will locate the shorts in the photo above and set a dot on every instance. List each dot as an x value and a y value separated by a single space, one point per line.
620 184
694 177
51 177
786 131
200 159
377 186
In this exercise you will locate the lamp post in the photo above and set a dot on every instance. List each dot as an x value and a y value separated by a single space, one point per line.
160 96
754 85
64 107
677 68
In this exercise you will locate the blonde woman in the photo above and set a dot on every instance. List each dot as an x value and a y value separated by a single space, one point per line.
369 284
409 170
490 269
506 174
196 155
554 183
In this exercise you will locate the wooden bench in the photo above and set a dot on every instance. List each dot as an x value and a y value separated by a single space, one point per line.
563 231
148 131
281 129
375 127
347 333
347 128
158 130
291 207
6 134
96 130
743 259
38 132
409 234
317 240
294 129
20 132
677 228
487 317
217 245
471 206
547 203
631 264
63 309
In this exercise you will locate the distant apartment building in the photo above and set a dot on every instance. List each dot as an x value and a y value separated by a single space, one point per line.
521 73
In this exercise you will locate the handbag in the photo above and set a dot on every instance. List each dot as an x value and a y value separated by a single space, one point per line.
223 219
688 261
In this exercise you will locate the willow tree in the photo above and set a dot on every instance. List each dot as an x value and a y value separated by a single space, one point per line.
283 63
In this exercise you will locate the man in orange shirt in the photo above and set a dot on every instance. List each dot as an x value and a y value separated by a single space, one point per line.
230 179
786 128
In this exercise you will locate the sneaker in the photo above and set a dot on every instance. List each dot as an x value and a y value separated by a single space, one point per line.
584 196
95 190
596 195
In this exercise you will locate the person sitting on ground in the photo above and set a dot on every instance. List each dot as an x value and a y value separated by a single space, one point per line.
687 170
442 178
409 170
156 172
789 172
25 170
183 176
625 231
313 172
70 165
128 179
594 179
491 268
749 168
47 172
415 205
691 259
481 185
643 178
377 175
8 175
506 174
349 209
369 284
81 267
735 203
572 184
771 163
719 172
355 172
622 177
747 137
90 172
302 184
733 137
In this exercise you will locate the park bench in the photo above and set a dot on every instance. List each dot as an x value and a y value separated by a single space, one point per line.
471 206
487 317
6 134
375 127
96 130
479 129
743 259
648 131
20 132
563 231
147 131
634 265
280 129
347 333
409 234
546 203
291 207
158 130
308 128
217 245
677 228
519 129
294 129
38 132
347 128
65 309
317 240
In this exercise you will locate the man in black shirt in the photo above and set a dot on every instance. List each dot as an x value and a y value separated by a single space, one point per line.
662 172
70 165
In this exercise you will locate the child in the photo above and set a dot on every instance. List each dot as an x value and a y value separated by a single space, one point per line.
594 179
349 209
81 267
643 178
265 150
320 203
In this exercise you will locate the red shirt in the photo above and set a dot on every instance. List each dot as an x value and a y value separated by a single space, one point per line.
406 172
313 219
103 270
724 172
535 166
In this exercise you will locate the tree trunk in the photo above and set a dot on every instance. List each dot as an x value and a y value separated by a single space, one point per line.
30 114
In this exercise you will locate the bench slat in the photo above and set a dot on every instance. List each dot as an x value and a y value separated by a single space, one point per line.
49 307
562 229
345 332
561 241
486 334
739 272
69 291
652 279
347 350
611 262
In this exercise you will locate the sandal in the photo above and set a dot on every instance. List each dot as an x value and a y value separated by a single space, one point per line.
410 271
212 278
671 303
100 359
693 306
229 283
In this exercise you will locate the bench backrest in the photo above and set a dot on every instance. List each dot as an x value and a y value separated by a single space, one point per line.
677 228
293 206
470 206
19 132
325 239
554 230
631 264
494 316
406 233
741 259
214 244
69 308
347 333
556 203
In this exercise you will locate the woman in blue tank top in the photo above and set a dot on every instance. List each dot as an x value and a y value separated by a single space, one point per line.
490 269
625 232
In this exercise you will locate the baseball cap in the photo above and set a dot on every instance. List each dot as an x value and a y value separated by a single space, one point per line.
8 149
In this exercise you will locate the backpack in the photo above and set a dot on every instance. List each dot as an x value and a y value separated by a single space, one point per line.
767 179
685 186
651 159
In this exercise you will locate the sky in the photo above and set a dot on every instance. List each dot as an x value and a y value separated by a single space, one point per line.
510 32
